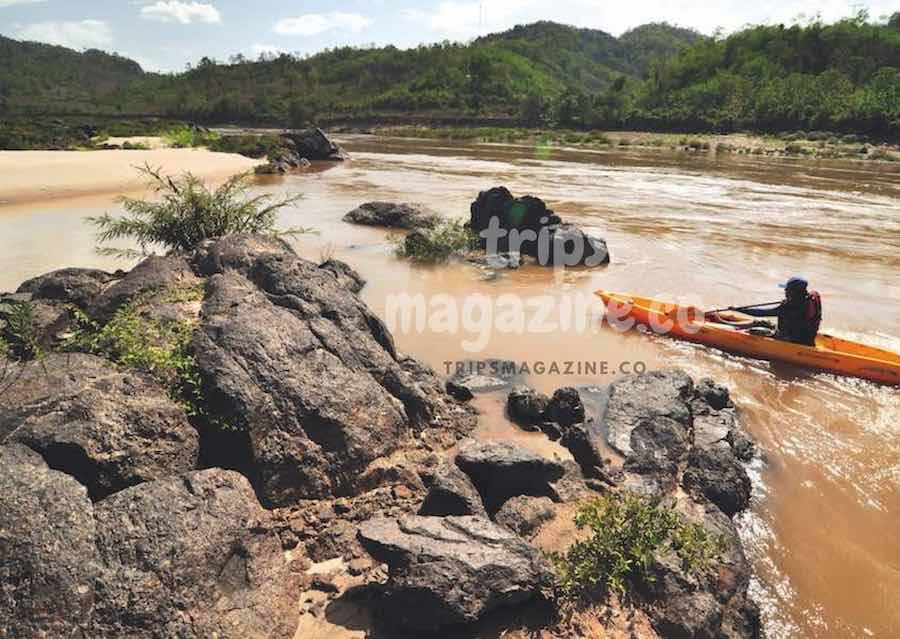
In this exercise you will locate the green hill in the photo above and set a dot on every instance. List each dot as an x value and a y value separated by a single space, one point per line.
52 78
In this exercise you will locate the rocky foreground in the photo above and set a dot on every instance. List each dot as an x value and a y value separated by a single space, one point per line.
318 471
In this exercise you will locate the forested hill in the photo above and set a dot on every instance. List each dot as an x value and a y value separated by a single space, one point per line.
491 73
54 78
842 77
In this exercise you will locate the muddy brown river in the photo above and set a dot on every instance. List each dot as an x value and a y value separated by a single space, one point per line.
823 529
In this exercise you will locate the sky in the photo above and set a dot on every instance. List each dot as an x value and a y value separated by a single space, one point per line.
165 35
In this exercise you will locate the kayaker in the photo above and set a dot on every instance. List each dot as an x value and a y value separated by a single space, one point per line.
799 315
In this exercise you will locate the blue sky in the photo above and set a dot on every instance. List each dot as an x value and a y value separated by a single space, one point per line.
167 34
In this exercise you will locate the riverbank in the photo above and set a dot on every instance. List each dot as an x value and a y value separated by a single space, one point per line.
39 176
814 145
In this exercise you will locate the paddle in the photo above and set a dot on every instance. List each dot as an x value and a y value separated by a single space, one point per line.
743 308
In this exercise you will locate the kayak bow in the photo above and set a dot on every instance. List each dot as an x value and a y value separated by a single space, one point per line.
830 353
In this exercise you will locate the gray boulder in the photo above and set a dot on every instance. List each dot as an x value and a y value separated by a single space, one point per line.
313 144
191 557
640 399
501 470
78 286
450 492
565 407
393 215
108 427
344 274
48 560
524 515
526 406
716 474
451 570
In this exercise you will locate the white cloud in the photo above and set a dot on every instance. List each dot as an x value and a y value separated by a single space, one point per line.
313 24
9 3
84 34
183 12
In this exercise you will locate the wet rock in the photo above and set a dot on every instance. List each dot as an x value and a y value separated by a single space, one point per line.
715 395
450 492
524 515
583 440
711 426
315 145
662 439
48 561
190 556
471 378
78 286
641 399
108 427
534 230
451 570
526 406
155 276
346 276
392 215
565 407
743 447
716 474
501 470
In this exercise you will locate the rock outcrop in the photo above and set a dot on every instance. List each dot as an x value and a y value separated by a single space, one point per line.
527 226
110 428
392 215
450 570
190 556
314 145
48 560
299 362
501 470
450 492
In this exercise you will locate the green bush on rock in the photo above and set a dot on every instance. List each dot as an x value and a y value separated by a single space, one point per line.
438 244
189 213
627 531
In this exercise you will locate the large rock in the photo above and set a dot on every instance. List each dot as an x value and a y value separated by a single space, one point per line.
156 276
108 427
314 145
451 570
535 230
526 406
298 361
501 470
640 399
392 215
565 407
344 274
190 557
78 286
450 492
715 473
48 560
524 515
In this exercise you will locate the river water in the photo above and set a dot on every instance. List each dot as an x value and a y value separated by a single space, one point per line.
714 231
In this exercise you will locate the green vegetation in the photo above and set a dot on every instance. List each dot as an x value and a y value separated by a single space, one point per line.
186 137
189 212
842 77
627 532
438 244
19 338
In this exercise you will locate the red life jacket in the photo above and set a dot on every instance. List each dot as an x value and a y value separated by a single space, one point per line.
813 311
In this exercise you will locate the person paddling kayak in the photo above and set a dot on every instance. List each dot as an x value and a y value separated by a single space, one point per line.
799 314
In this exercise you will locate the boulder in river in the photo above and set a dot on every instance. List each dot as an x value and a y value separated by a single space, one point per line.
528 226
445 571
313 145
392 215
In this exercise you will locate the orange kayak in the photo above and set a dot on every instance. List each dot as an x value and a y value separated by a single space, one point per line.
830 353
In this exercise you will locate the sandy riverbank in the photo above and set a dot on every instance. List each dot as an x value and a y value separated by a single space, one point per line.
32 176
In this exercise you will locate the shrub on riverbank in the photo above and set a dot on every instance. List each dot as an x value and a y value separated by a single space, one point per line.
627 532
189 212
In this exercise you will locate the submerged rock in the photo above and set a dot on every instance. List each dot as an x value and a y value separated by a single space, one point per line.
392 215
473 377
450 570
108 427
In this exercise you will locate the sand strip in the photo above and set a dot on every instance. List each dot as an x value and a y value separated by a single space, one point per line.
33 176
